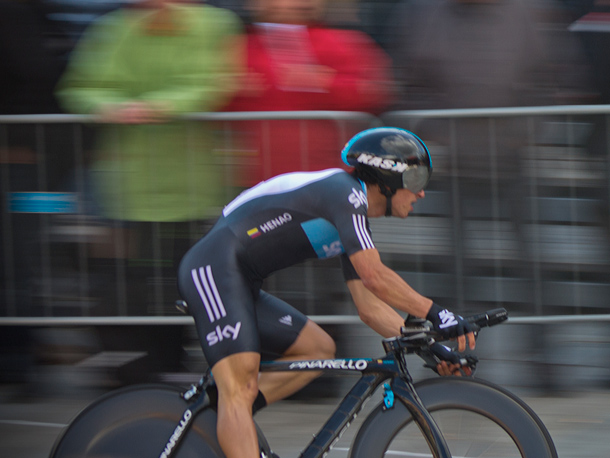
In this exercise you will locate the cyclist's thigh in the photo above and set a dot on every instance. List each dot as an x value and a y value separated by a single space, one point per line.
279 325
219 297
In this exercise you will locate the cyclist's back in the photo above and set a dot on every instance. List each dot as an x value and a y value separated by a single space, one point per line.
276 224
293 217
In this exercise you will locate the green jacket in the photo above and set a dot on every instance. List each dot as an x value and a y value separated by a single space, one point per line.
157 172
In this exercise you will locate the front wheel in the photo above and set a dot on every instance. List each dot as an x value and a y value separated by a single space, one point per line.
477 419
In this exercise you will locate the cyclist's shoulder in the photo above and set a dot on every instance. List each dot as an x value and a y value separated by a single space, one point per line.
340 188
304 182
290 188
336 177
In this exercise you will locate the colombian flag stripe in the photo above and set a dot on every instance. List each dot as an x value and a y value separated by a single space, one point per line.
253 232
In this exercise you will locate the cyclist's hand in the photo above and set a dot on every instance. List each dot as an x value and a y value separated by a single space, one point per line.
451 326
452 363
445 369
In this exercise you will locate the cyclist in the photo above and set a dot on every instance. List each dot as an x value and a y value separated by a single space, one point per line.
281 222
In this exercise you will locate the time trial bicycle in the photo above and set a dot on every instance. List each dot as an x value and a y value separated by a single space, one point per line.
434 417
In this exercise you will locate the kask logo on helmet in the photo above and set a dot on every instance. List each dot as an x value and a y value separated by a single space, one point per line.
379 162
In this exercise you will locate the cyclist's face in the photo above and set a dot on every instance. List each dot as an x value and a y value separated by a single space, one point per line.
403 200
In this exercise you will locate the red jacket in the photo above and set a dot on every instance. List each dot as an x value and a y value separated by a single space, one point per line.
358 79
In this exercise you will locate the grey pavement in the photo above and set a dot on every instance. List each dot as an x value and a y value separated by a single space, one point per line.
578 421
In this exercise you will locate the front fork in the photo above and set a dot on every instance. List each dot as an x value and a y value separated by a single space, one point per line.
405 391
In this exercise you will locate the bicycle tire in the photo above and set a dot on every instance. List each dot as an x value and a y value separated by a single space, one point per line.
136 422
501 413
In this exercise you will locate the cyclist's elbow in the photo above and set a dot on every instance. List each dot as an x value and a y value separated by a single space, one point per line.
366 316
374 283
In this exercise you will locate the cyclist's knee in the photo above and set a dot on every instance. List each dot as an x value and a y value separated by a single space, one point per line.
313 343
327 347
323 345
239 394
236 378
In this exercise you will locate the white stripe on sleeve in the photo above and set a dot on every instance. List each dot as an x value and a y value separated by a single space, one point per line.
363 235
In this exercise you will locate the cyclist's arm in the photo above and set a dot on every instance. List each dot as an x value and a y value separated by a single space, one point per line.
390 288
387 285
373 312
384 320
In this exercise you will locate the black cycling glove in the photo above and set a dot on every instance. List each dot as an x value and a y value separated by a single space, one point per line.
446 323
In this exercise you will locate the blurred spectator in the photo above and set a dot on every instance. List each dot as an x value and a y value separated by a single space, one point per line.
29 70
479 53
482 53
461 54
592 25
138 68
470 54
374 17
297 63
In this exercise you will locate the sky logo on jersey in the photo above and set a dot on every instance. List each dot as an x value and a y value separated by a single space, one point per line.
386 164
323 237
334 249
254 232
220 334
357 198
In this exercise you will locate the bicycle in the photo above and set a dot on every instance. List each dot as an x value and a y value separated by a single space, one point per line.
163 421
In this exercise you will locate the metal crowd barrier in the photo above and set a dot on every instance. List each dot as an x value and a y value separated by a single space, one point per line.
320 319
532 232
58 219
461 247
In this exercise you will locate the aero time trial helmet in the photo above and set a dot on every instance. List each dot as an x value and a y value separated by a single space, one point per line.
390 156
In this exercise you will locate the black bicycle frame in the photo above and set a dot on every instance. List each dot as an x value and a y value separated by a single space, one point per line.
374 373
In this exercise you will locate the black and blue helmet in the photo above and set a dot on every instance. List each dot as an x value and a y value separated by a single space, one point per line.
390 156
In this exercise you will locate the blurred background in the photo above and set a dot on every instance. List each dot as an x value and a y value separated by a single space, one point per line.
126 125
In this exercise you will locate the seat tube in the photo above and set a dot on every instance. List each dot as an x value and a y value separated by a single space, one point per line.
405 391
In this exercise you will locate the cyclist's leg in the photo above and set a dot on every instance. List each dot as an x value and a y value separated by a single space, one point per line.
221 301
236 379
287 335
312 343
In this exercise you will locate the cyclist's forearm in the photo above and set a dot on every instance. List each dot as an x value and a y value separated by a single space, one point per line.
393 290
387 285
373 312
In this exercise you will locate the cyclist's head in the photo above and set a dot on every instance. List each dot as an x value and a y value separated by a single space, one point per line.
391 157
